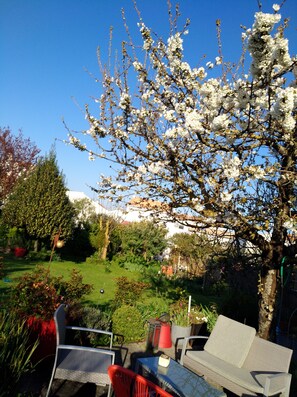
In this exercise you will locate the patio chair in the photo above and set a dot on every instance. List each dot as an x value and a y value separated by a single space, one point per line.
126 383
80 363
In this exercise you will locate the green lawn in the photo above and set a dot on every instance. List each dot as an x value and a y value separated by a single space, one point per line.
95 274
92 274
102 279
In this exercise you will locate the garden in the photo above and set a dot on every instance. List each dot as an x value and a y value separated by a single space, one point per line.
55 251
101 294
215 154
113 275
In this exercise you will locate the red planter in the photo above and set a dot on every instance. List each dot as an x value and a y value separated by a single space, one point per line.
19 252
45 332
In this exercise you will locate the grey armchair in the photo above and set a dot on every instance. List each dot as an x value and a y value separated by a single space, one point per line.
80 363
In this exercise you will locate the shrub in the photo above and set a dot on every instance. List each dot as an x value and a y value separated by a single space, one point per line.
211 314
35 294
93 317
74 289
90 317
128 291
130 261
39 293
16 237
43 255
127 322
172 287
79 246
15 351
152 308
94 259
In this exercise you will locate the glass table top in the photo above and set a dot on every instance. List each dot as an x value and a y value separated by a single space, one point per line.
178 378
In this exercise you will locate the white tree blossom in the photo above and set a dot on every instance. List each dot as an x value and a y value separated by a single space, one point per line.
220 148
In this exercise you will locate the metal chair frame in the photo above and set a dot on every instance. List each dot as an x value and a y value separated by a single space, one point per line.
80 363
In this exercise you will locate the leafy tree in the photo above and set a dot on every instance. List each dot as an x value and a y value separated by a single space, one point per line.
194 250
39 203
144 239
100 234
17 156
84 212
218 145
98 229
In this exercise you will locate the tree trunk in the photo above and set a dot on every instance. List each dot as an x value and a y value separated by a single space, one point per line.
36 245
106 241
99 238
267 289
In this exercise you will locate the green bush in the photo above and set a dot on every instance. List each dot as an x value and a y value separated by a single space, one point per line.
212 315
79 245
130 261
74 289
15 352
16 237
171 288
90 317
152 308
42 256
127 322
39 293
128 291
94 259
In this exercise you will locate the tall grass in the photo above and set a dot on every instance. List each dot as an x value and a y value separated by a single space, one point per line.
15 352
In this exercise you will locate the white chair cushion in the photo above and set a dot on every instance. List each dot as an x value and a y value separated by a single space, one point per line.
230 341
251 380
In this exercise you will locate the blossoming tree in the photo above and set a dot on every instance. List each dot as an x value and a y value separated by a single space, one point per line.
220 148
17 156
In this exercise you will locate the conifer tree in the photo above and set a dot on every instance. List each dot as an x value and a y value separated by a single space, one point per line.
39 203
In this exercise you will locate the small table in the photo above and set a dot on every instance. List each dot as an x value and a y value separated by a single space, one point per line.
177 378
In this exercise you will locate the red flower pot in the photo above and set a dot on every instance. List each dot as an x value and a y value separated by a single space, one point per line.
45 332
19 252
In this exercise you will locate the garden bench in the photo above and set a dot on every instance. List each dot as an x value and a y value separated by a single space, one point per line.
236 359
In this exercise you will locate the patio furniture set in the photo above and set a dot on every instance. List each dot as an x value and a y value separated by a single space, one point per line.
233 358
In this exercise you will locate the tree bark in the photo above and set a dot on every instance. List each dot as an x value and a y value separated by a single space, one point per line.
106 241
99 238
268 290
36 245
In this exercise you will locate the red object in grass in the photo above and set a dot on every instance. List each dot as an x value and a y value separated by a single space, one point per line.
19 252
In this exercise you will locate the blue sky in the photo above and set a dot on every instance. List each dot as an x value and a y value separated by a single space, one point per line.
46 46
